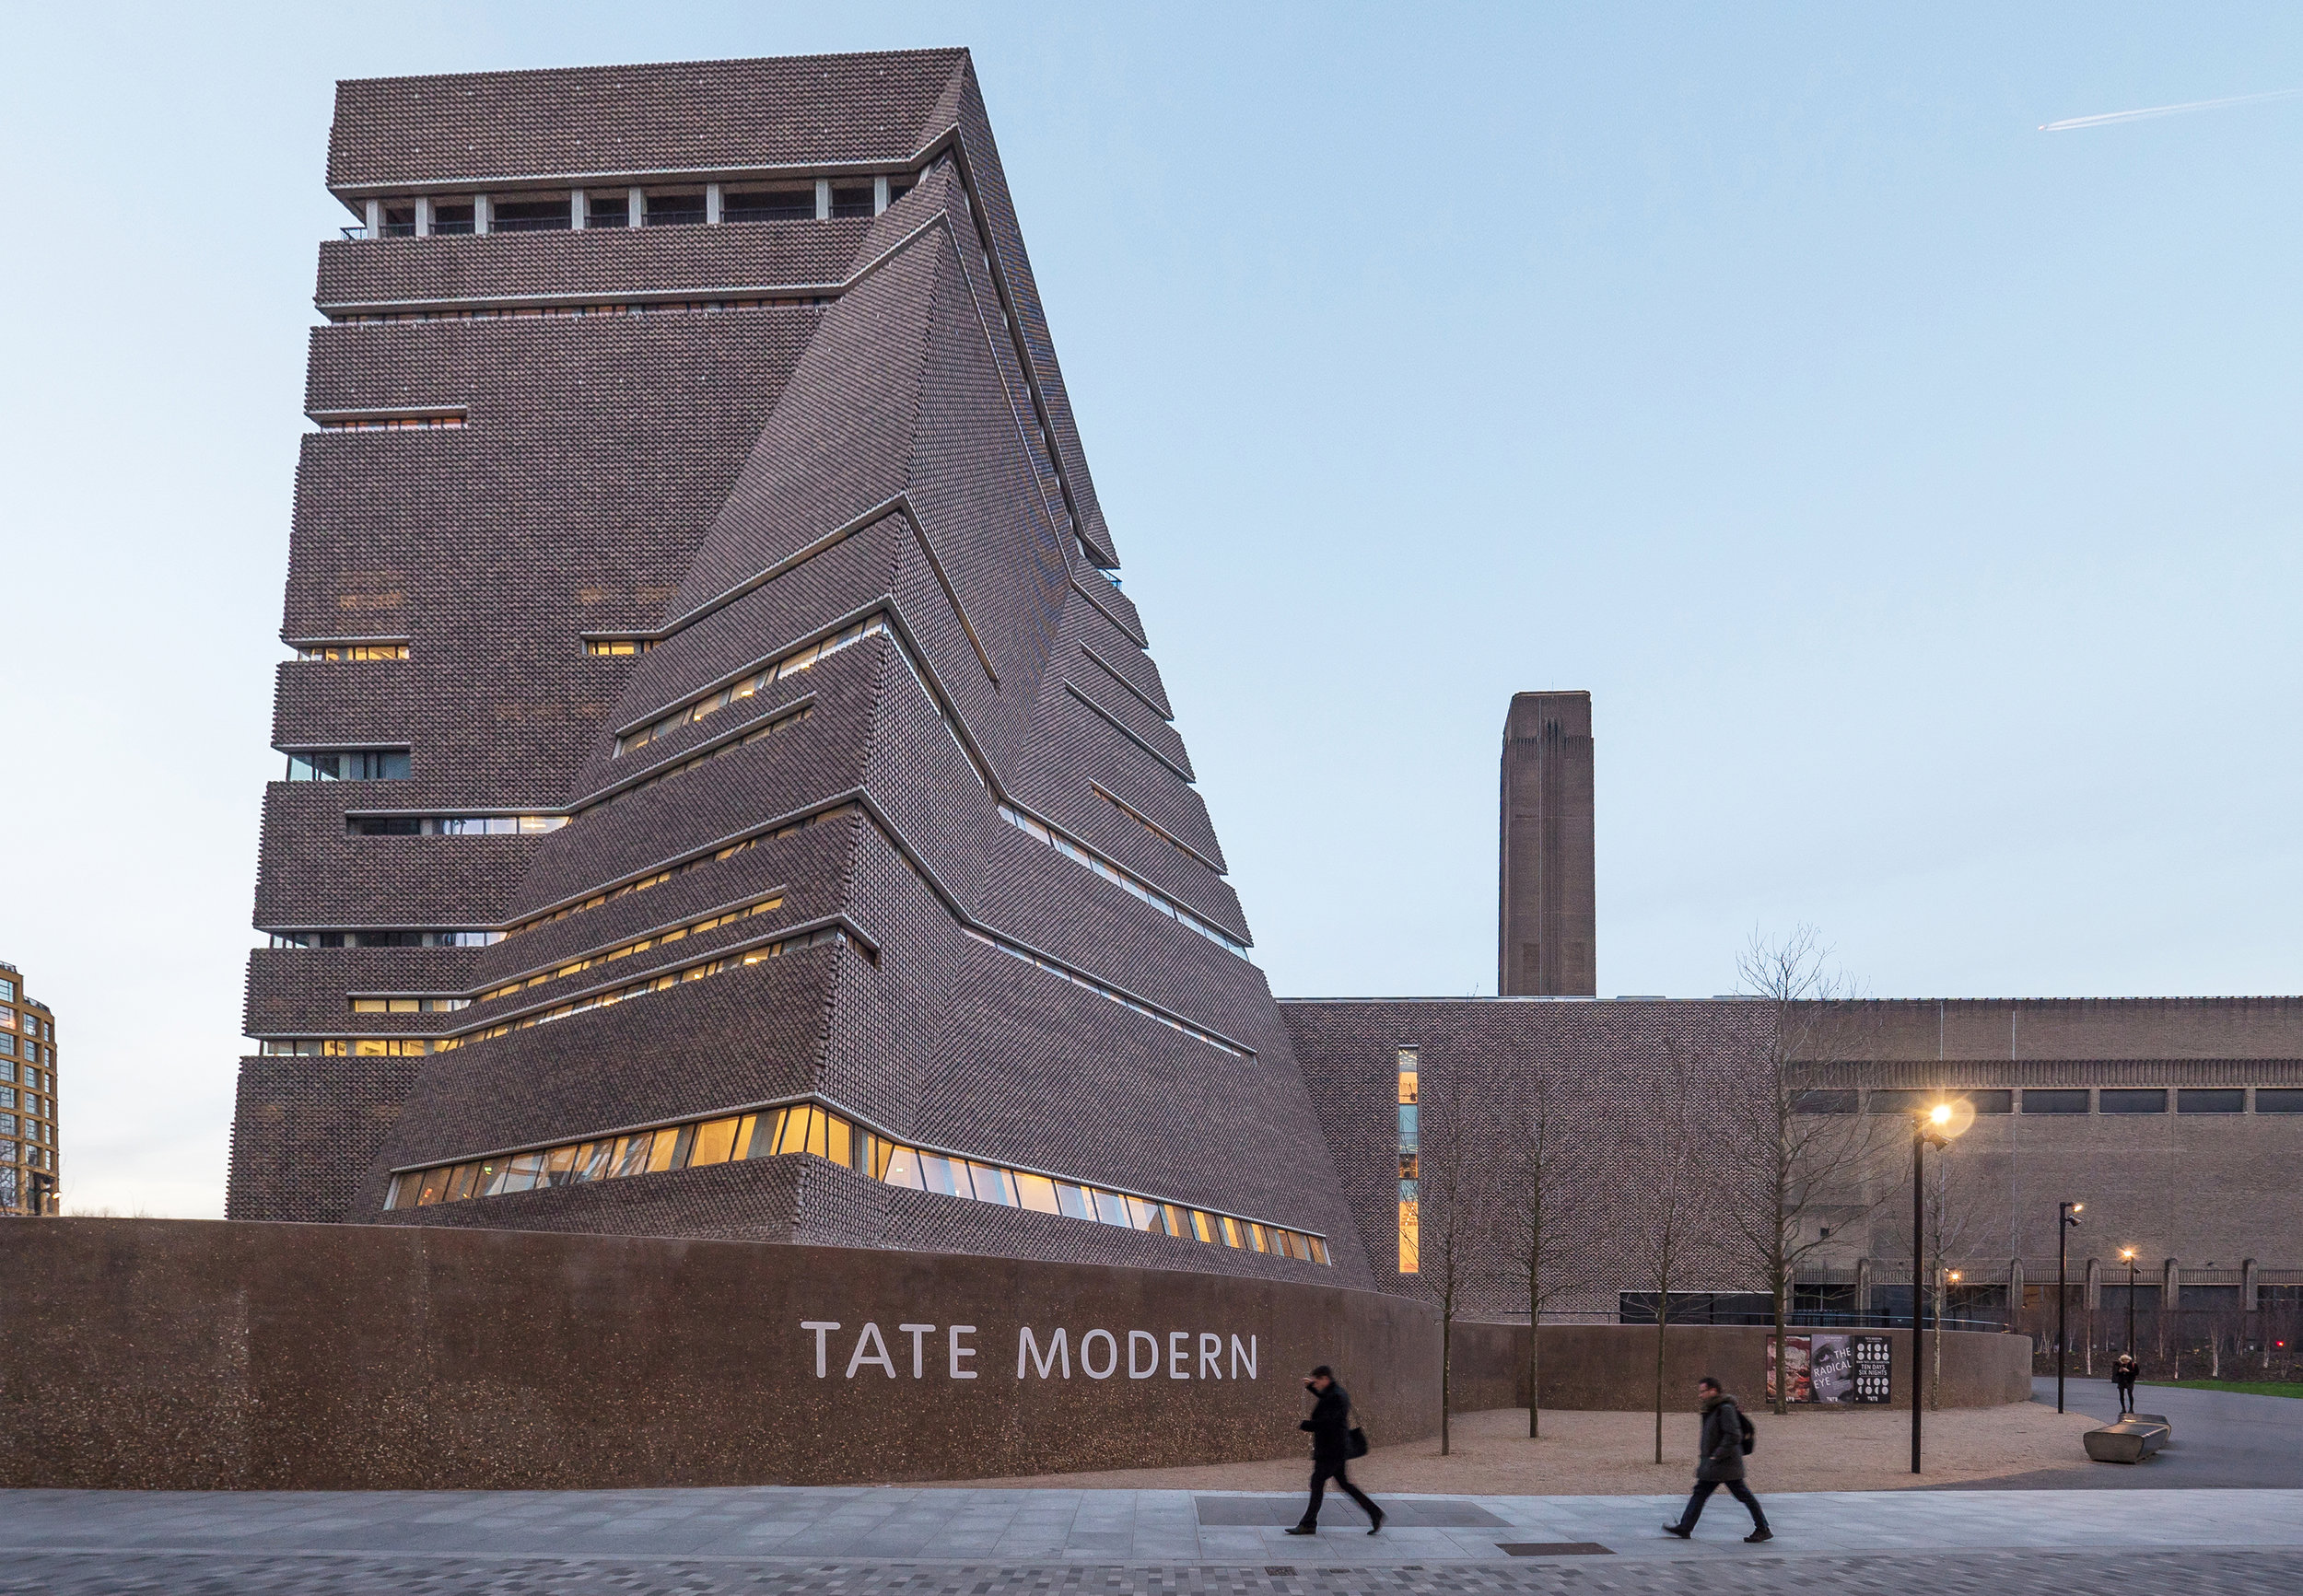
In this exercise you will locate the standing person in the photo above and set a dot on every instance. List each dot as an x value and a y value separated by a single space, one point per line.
1719 1461
2123 1374
1330 1425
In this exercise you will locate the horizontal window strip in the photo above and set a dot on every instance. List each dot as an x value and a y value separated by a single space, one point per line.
660 939
790 718
673 872
448 421
1123 879
339 652
1112 992
409 1005
393 1046
811 1129
571 312
736 692
1154 827
452 825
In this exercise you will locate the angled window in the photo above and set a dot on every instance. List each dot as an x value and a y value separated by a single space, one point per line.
348 765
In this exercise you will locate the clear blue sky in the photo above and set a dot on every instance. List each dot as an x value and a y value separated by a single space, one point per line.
1914 490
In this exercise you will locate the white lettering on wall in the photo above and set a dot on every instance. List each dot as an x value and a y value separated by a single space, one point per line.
1047 1354
871 1337
1057 1350
819 1326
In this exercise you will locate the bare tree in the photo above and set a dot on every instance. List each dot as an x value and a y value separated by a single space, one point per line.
1534 1214
1671 1141
1809 1165
1452 1200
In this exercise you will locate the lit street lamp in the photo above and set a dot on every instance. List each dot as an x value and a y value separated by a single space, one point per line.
2066 1221
2129 1253
1933 1127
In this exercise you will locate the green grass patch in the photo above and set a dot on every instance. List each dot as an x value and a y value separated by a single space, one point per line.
2252 1387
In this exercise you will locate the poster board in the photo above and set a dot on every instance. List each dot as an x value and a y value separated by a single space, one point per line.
1830 1370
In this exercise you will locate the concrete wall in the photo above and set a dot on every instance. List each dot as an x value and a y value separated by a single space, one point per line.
1611 1367
161 1354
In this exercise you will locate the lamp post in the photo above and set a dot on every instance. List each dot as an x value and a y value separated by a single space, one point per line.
2129 1253
1933 1126
2066 1220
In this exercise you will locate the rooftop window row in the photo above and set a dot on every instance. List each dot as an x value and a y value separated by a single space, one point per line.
735 693
395 938
396 1046
661 938
348 765
452 825
1123 880
1062 972
429 420
409 1005
811 1130
672 205
2110 1100
670 872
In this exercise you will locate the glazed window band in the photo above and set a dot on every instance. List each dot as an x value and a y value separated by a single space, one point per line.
811 1129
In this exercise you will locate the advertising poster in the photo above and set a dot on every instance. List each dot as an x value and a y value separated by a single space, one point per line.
1869 1354
1831 1369
1790 1369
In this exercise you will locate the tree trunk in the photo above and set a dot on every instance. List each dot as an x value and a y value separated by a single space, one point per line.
1447 1371
1780 1374
1661 1315
1535 1391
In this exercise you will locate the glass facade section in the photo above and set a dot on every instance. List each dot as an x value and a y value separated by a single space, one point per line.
812 1129
344 651
349 764
1409 1061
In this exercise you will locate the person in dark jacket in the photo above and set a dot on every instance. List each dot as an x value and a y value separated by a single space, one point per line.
1330 1425
1719 1461
2123 1374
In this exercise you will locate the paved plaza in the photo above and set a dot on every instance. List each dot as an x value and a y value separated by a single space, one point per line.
983 1543
2175 1526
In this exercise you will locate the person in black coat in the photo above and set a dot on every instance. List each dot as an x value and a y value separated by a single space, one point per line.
1719 1461
1330 1425
2123 1374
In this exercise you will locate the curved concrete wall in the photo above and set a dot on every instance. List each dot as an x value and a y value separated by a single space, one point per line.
195 1355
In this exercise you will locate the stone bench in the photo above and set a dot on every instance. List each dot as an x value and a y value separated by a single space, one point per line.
2129 1442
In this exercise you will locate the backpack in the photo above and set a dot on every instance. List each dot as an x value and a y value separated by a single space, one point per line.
1751 1434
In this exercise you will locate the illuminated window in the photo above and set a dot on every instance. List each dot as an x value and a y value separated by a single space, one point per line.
344 651
662 939
432 421
612 648
811 1129
1410 1229
386 938
409 1005
735 693
660 877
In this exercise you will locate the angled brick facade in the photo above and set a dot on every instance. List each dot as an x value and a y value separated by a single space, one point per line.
819 474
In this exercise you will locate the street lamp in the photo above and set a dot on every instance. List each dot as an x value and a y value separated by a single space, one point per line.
2066 1221
2129 1253
1932 1126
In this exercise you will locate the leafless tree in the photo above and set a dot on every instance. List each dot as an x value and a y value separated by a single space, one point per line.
1809 1166
1535 1213
1452 1193
1671 1140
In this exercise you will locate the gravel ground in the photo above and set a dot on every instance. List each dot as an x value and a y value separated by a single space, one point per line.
1612 1454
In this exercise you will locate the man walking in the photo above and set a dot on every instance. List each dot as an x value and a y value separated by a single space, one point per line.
2124 1376
1719 1461
1330 1425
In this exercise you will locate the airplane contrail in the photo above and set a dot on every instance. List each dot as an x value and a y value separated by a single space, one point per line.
2107 118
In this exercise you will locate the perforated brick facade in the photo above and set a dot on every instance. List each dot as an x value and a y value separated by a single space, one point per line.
709 445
